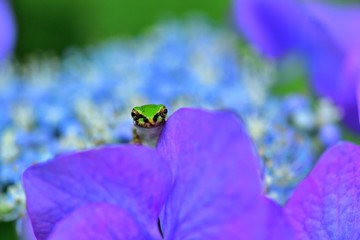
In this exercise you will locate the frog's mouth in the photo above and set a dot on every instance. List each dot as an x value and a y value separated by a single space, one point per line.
146 123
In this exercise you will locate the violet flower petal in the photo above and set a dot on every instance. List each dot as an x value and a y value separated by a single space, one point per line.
217 178
324 35
132 177
331 78
335 77
7 30
265 220
326 205
99 221
340 21
26 231
358 99
273 27
335 70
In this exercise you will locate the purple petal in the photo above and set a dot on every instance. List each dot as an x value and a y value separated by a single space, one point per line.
26 230
132 177
335 63
324 35
99 221
273 27
326 205
358 100
7 30
350 116
217 176
340 21
265 220
333 76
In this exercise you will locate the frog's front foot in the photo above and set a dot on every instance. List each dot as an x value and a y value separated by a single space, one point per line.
136 137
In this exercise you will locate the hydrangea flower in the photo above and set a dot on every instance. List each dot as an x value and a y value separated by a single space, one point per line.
325 35
202 181
7 30
106 81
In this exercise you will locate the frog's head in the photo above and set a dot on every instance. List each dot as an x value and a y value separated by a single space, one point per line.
148 116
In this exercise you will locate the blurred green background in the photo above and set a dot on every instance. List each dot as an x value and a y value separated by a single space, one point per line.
45 25
54 25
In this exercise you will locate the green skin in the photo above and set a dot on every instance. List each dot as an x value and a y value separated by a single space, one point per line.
148 123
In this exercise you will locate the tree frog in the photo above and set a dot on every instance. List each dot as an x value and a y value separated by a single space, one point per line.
148 122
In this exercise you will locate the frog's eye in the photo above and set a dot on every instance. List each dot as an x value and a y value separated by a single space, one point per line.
134 115
163 113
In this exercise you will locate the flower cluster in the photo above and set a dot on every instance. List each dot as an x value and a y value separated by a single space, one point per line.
51 107
201 182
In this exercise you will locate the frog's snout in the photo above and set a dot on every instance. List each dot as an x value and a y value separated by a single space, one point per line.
152 122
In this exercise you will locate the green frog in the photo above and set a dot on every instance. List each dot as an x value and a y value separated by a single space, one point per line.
149 121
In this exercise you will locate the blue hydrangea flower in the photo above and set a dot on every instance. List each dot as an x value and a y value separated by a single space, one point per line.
325 35
201 182
7 30
54 106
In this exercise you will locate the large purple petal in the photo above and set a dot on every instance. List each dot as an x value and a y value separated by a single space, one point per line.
99 221
273 27
324 35
217 178
340 21
335 76
132 177
326 205
358 100
26 231
7 30
350 116
335 63
264 220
